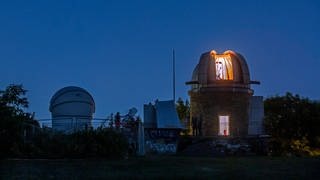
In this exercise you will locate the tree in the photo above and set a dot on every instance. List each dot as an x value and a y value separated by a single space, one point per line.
13 119
291 118
183 110
12 98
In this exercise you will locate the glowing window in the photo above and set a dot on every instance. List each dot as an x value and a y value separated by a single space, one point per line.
223 67
224 125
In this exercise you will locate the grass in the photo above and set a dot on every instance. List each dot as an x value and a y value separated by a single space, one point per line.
160 167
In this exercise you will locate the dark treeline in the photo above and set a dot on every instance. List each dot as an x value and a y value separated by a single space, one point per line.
21 135
294 124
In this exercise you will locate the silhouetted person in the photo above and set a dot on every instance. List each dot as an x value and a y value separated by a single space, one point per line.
136 123
111 121
194 126
117 120
199 126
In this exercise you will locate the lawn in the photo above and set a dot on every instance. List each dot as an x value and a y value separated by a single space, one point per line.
165 167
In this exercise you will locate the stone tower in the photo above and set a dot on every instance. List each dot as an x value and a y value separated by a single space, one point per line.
220 94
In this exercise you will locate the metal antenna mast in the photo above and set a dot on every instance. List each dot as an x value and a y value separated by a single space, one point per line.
174 75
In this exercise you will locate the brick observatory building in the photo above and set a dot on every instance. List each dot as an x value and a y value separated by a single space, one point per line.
221 96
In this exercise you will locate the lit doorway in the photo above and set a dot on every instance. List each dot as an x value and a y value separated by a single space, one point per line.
224 125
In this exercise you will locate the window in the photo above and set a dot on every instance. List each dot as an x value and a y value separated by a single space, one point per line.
224 125
224 69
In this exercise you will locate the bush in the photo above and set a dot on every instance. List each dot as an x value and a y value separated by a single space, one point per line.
104 143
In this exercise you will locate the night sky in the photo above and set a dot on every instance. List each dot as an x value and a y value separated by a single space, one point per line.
121 51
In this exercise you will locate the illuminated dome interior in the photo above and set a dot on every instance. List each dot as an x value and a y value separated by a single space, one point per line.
228 69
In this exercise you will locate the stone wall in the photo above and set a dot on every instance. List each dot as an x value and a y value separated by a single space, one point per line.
212 104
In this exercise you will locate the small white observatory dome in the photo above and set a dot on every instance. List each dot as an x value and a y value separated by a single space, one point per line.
71 109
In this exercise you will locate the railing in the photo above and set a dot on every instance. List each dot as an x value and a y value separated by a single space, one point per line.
71 124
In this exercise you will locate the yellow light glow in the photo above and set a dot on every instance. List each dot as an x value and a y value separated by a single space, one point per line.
224 70
213 52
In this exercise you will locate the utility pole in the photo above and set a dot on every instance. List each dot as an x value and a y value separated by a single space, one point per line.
174 75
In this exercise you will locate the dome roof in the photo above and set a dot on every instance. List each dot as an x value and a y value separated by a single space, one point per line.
71 95
228 69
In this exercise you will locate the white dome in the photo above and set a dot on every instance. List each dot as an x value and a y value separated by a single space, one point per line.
71 108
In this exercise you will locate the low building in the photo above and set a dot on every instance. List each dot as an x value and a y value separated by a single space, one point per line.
161 127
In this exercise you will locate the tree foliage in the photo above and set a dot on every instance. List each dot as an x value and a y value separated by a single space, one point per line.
13 119
13 98
289 119
105 143
183 110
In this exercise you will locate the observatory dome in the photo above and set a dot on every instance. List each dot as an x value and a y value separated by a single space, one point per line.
226 70
221 97
72 109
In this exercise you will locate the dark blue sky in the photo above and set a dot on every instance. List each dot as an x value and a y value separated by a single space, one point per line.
121 51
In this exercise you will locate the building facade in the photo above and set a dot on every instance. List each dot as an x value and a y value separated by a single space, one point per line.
161 127
221 94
